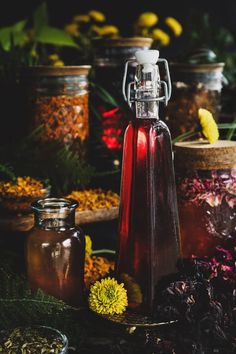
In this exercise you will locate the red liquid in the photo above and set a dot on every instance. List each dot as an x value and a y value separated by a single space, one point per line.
148 226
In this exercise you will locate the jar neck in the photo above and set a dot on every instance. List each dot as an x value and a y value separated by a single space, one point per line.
54 213
55 221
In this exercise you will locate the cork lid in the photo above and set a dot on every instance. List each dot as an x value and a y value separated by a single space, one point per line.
201 155
139 42
197 68
47 70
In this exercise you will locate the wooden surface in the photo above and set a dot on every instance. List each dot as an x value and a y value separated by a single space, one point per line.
20 222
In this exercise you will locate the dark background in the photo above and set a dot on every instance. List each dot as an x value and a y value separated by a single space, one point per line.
121 12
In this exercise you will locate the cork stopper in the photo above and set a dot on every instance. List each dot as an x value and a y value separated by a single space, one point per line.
200 155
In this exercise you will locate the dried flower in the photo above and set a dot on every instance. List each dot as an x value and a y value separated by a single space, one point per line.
161 36
23 187
92 199
96 268
147 19
107 297
174 25
97 16
209 126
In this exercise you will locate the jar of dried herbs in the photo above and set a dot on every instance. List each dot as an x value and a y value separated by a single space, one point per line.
194 86
33 340
206 188
57 100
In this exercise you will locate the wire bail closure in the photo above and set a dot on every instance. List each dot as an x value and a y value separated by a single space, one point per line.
166 85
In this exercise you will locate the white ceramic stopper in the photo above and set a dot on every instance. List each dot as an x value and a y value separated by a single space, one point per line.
147 58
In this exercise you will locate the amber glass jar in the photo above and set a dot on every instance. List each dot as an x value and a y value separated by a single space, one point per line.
57 100
194 86
55 250
206 186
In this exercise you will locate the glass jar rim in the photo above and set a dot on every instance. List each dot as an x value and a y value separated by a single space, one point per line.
49 70
54 204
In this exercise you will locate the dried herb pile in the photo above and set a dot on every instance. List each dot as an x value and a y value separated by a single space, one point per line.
30 341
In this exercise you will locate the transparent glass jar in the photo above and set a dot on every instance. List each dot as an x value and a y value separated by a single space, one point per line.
57 99
55 250
110 57
206 187
194 86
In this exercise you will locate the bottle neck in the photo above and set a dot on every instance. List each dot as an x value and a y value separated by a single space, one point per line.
55 213
147 89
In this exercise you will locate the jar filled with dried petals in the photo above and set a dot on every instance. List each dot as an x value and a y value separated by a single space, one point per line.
206 188
57 100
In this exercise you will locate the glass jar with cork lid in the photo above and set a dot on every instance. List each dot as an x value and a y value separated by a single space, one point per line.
206 188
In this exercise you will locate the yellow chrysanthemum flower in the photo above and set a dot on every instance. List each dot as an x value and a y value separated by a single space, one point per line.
161 36
58 63
147 19
174 25
72 29
209 126
88 246
81 18
107 297
97 16
108 30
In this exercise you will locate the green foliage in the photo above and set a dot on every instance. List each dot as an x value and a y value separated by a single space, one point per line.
202 32
62 165
21 45
55 36
19 304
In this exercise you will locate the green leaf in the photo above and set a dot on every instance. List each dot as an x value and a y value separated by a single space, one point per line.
13 34
18 26
40 17
226 125
104 94
55 36
231 131
5 38
184 136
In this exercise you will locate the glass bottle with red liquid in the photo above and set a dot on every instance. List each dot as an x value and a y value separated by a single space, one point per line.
148 231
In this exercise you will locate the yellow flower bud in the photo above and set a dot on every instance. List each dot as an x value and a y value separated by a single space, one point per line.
209 126
147 19
97 16
81 18
161 36
174 25
53 57
58 63
72 29
108 30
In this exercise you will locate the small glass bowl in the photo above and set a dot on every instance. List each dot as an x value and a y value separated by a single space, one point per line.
44 331
21 205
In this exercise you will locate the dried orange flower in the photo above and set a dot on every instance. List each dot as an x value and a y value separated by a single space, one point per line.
92 199
23 187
